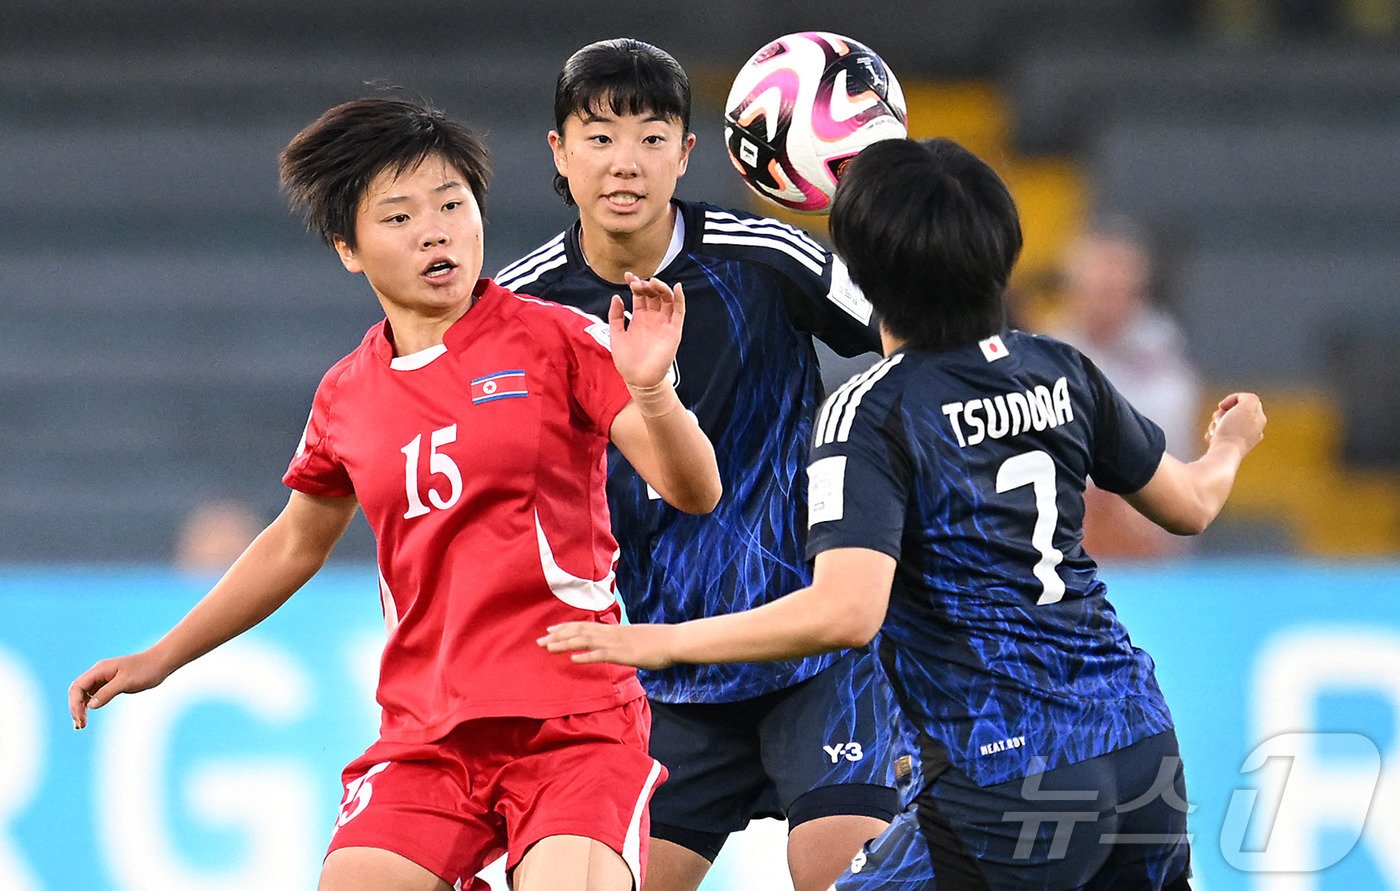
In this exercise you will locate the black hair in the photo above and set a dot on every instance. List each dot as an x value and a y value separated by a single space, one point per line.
929 232
328 166
625 75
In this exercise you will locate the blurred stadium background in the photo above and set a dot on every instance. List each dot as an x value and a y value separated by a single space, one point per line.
164 322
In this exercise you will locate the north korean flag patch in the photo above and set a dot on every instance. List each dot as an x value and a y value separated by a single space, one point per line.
501 385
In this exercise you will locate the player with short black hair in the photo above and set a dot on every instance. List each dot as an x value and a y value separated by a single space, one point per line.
932 245
327 167
622 76
471 426
946 511
807 738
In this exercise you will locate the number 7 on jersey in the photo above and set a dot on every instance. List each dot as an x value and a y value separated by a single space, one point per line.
1037 470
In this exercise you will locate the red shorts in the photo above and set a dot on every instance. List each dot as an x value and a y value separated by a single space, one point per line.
498 785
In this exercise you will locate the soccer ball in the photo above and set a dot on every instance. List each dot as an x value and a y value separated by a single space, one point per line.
801 108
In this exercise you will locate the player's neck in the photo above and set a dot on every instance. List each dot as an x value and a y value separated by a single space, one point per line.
611 255
412 332
889 344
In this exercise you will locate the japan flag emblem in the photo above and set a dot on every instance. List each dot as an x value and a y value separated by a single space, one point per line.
992 348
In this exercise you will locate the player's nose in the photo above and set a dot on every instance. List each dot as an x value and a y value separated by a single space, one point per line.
624 161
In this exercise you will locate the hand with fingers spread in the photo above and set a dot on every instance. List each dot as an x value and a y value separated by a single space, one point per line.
644 646
654 431
97 686
644 348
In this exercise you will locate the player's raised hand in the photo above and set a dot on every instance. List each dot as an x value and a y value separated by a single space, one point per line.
644 646
97 686
1240 416
644 349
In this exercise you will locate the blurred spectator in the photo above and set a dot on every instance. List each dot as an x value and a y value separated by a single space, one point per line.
1108 314
214 534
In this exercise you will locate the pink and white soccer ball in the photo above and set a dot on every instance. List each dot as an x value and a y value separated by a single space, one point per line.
801 108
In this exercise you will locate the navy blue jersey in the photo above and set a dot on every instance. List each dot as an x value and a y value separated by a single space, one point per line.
757 291
968 466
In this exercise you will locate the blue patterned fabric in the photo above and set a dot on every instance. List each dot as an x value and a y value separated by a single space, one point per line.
970 471
757 291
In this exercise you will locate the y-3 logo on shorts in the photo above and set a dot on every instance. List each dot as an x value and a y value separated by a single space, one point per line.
851 751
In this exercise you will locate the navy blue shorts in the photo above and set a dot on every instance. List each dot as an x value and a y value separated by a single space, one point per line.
1112 823
819 748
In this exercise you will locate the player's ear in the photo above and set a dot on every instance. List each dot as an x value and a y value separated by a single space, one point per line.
686 146
347 255
556 145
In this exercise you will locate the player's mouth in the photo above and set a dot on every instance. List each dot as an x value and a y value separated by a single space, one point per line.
440 272
623 200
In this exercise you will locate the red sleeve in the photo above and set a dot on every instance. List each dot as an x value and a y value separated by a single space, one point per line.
315 469
597 387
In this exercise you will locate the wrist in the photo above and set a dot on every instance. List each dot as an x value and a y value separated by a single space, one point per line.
1229 443
655 400
162 661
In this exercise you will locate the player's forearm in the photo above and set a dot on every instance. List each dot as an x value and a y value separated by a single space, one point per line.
681 455
1185 499
803 623
1213 477
273 567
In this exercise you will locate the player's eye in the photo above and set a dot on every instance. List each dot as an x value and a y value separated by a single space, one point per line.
397 218
452 205
654 140
600 138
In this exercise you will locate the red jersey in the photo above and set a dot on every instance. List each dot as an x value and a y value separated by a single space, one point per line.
480 466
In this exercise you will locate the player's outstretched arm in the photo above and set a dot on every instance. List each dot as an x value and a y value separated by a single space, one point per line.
843 607
654 431
275 565
1186 498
